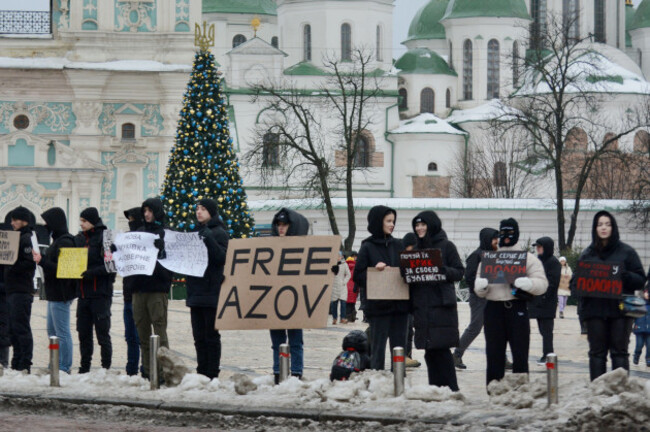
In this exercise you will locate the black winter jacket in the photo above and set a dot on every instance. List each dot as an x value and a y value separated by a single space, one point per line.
97 282
544 306
435 315
128 282
379 247
204 291
161 279
474 259
58 290
6 226
615 251
19 277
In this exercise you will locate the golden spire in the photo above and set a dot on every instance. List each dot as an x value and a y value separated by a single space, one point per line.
204 38
629 3
255 23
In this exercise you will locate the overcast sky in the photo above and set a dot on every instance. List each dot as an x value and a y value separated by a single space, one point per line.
404 11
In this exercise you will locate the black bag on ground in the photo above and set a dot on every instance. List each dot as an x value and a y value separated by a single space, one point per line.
353 358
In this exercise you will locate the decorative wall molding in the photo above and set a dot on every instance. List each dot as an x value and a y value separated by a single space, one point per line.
135 15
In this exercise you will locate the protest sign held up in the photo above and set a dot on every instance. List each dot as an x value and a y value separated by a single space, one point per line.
72 263
422 266
503 267
186 253
386 284
598 279
277 283
9 242
136 254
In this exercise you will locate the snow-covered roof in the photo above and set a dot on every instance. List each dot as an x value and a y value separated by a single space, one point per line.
426 124
440 204
59 63
488 111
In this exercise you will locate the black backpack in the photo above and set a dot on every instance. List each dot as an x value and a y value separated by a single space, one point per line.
353 358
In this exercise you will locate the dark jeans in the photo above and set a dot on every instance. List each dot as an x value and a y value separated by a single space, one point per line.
642 339
334 306
506 323
476 311
296 350
608 334
5 338
546 330
351 312
207 341
440 368
385 328
20 330
94 312
132 341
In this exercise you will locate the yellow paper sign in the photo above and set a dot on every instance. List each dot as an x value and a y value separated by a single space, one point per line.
72 263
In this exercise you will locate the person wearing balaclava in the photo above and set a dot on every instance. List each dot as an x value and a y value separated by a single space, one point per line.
608 329
388 318
60 293
94 292
543 307
434 305
488 241
203 292
506 313
135 221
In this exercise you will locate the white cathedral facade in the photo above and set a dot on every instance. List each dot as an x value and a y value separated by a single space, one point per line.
89 105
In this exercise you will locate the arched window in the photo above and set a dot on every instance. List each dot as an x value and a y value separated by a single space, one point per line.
642 142
576 140
403 99
538 26
599 21
238 40
571 18
500 174
451 56
609 142
448 99
427 100
493 69
362 153
270 150
306 42
274 42
346 42
515 63
128 131
379 45
468 71
432 166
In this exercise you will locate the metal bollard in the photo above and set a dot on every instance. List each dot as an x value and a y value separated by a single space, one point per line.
285 359
551 378
399 370
54 362
154 344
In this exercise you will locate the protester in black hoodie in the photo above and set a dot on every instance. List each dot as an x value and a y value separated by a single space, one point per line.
19 284
5 339
287 223
150 292
608 329
60 293
134 216
203 292
95 292
434 303
543 307
388 318
488 241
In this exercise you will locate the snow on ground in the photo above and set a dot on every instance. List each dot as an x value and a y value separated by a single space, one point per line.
59 63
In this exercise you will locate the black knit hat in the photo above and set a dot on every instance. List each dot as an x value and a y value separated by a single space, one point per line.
21 213
210 205
91 215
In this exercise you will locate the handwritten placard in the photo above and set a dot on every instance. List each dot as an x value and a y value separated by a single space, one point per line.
136 254
503 267
422 266
599 279
9 242
72 263
186 253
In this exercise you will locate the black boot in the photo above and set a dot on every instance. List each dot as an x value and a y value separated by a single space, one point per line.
4 357
597 367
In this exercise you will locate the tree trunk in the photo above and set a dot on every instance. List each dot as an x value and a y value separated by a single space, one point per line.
561 220
327 198
352 222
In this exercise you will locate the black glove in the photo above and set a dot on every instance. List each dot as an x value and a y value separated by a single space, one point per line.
159 244
113 248
355 289
335 269
442 270
203 233
88 274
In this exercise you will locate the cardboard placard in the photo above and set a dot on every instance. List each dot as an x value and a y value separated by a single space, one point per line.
503 267
277 283
9 243
186 253
386 284
136 254
72 263
598 279
422 266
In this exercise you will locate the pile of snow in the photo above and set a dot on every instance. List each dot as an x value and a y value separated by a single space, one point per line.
491 110
60 63
517 391
173 367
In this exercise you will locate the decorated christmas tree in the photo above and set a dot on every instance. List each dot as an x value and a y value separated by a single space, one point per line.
203 163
